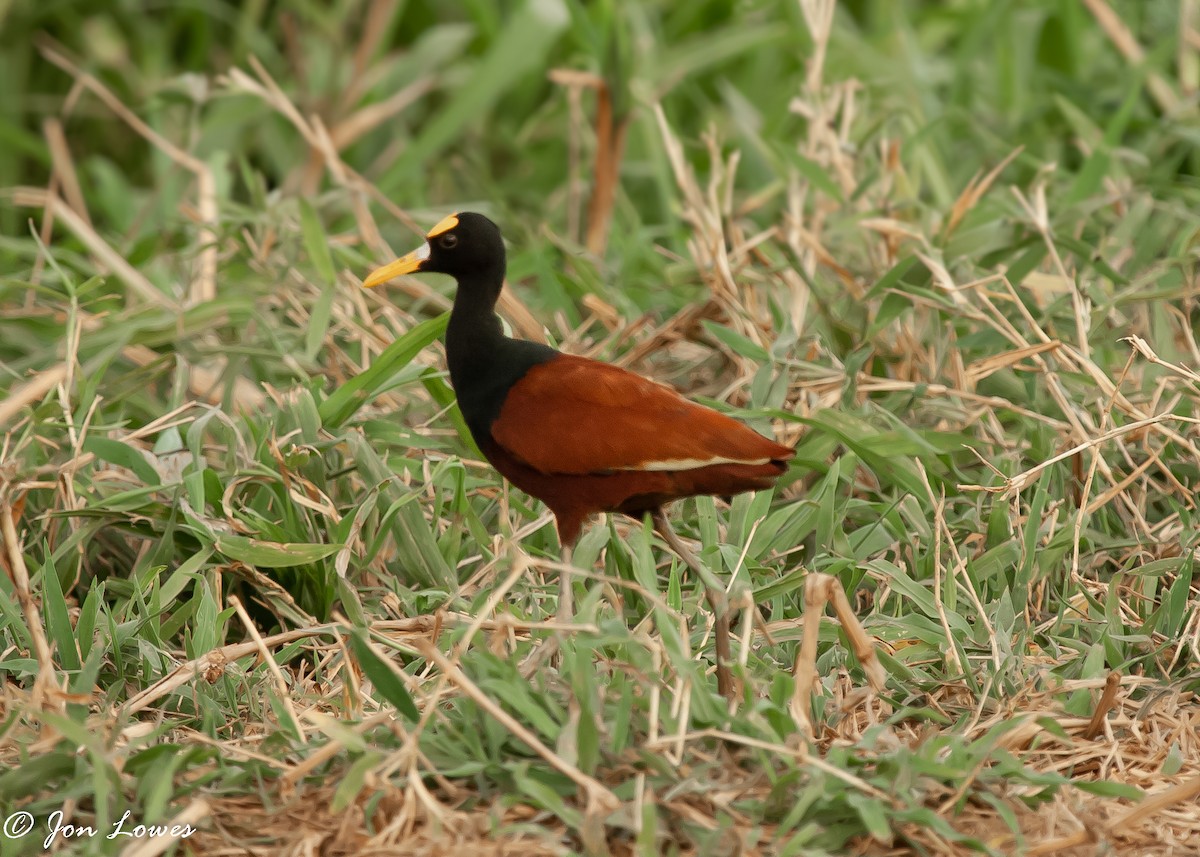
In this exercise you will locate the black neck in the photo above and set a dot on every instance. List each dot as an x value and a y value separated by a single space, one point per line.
474 332
484 363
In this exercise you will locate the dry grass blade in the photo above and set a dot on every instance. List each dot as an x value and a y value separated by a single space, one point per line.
1150 806
64 168
523 321
1182 793
800 753
177 828
1143 348
204 286
939 512
34 197
368 118
211 665
1023 480
206 383
45 688
1119 33
281 687
266 88
33 390
1108 699
609 133
595 791
975 190
323 754
980 369
610 145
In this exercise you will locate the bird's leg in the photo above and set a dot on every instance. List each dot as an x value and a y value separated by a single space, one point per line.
713 592
550 649
820 590
566 596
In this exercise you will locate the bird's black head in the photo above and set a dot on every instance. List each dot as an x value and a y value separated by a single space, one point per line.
466 246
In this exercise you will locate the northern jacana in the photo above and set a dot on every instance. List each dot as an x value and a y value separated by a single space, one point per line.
580 435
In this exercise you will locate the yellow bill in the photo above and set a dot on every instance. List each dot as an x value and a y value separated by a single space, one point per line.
407 264
410 263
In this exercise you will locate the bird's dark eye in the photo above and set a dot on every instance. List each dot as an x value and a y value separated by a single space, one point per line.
448 241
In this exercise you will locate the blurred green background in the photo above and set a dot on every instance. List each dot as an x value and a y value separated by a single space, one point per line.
957 84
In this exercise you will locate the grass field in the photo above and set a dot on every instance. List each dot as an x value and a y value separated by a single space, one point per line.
260 582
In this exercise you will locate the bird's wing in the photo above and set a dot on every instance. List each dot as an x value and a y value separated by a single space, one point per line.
572 415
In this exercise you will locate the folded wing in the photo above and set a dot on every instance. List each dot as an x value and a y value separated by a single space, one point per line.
571 415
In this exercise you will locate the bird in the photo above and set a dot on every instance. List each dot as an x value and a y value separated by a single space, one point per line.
581 435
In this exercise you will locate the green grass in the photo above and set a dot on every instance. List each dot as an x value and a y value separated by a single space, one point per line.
263 583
